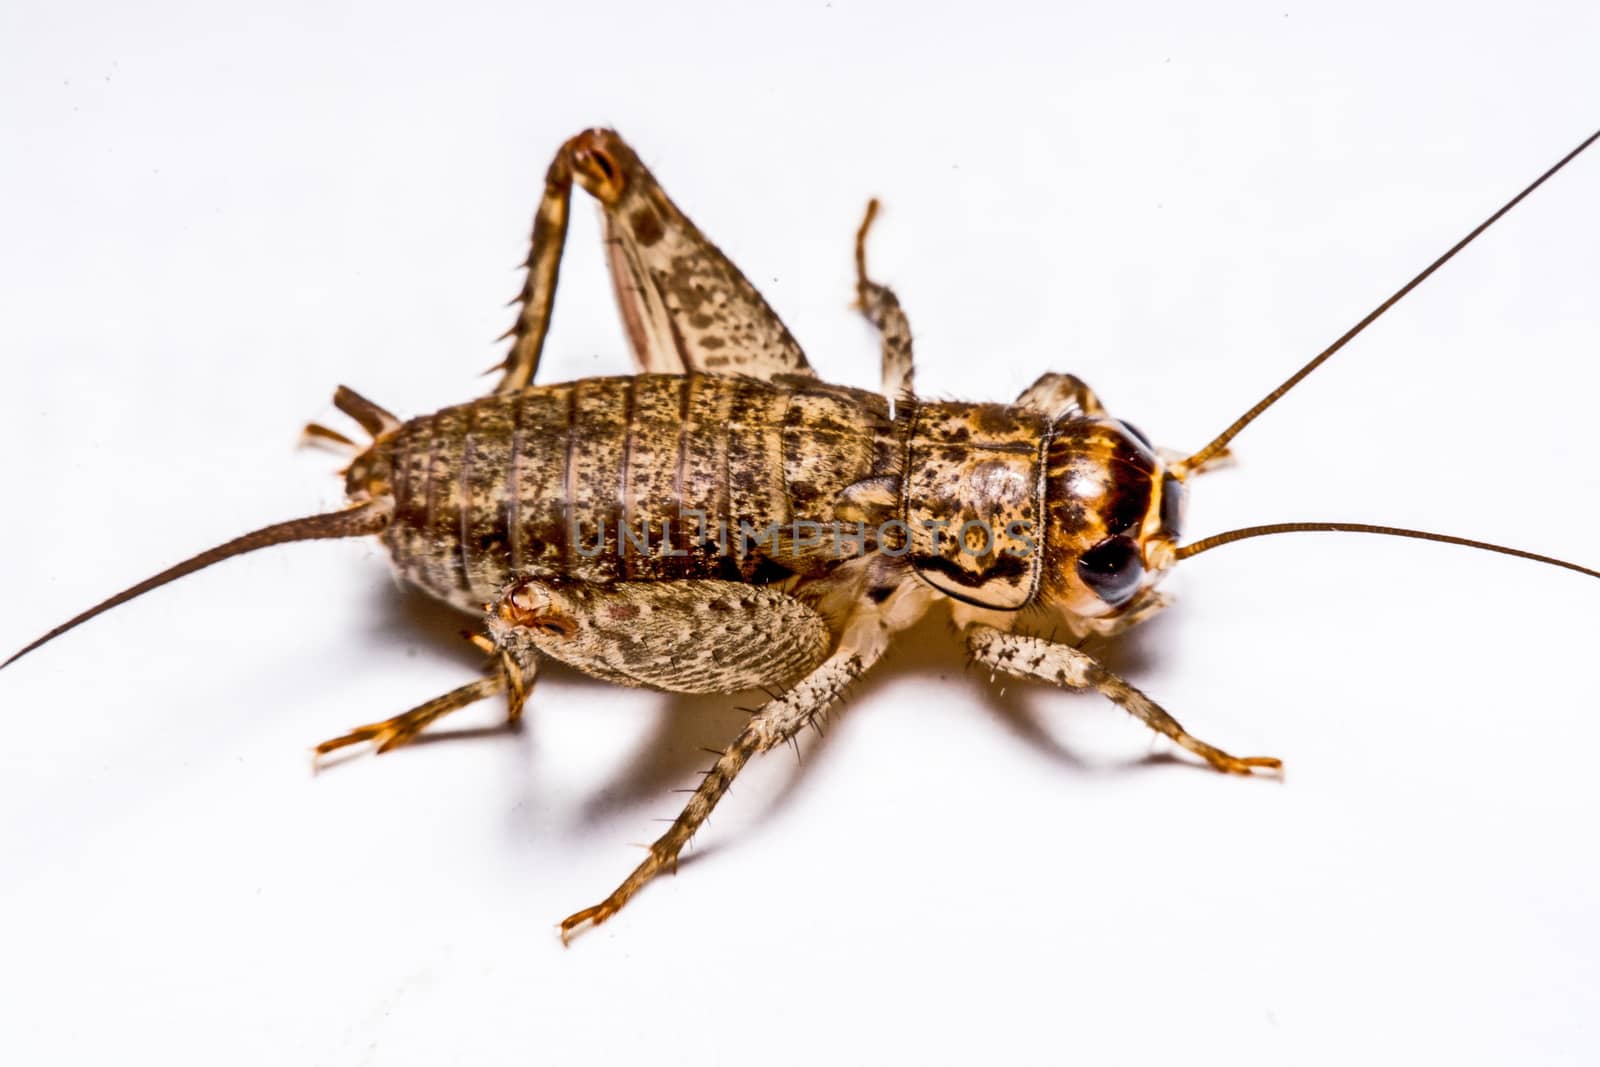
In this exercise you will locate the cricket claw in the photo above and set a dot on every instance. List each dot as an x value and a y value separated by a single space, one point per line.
383 735
592 916
663 857
1249 765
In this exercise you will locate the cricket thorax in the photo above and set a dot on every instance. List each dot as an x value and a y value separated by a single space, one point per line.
974 501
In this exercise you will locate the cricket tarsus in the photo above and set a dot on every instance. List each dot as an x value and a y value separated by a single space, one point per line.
1205 544
1221 441
369 518
402 729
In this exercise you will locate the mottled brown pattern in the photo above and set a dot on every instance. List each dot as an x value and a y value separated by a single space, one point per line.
485 530
525 501
443 501
537 476
686 636
545 477
661 477
975 469
684 305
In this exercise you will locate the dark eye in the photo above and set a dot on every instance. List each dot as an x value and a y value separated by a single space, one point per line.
1112 569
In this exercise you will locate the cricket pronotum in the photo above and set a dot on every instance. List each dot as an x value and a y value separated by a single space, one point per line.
725 521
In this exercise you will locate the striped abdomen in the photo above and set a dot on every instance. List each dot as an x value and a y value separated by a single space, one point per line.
634 477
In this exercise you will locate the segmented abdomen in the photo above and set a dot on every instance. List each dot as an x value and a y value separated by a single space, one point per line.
640 477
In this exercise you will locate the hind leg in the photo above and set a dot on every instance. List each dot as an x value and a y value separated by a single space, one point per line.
402 729
685 305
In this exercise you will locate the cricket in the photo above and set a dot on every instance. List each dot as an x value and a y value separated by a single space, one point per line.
726 521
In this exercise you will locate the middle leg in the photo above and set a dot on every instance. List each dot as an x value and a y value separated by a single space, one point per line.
882 308
774 723
508 676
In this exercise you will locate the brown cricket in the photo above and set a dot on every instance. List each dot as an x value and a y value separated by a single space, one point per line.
725 521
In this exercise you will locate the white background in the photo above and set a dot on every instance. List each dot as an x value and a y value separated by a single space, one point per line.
213 218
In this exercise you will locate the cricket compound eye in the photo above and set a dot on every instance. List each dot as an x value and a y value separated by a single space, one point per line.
1112 569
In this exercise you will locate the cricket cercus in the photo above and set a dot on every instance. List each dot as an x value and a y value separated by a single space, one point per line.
725 521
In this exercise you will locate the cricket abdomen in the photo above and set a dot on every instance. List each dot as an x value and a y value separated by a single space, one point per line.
645 477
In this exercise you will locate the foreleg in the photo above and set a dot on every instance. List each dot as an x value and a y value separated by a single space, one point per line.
1035 658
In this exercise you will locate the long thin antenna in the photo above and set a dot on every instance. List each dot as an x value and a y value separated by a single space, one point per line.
1195 461
367 518
1218 540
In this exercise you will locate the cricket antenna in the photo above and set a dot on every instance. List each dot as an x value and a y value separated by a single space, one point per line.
1218 540
368 518
1196 461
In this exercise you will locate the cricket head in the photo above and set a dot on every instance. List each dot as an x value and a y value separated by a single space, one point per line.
1115 508
1113 515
